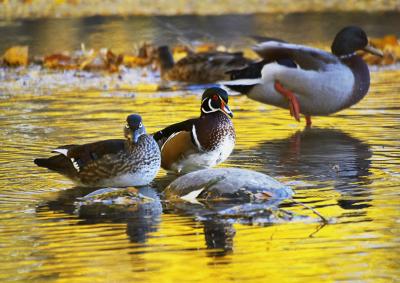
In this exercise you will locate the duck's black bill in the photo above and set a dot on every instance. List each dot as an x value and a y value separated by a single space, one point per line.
373 50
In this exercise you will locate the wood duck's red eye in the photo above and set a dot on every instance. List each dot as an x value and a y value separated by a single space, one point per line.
215 97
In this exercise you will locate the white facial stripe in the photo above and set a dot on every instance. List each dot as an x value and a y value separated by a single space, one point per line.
75 164
212 108
225 111
211 111
196 140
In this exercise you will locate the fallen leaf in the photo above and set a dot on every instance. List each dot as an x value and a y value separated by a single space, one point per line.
58 61
134 61
206 47
16 56
390 47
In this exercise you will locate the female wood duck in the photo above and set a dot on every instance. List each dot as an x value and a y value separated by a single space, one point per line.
200 68
308 80
200 142
134 161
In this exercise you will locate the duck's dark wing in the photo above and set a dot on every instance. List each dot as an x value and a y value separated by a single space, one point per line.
74 158
162 136
93 151
307 58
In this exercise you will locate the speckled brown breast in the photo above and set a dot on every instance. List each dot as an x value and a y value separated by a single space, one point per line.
212 129
142 157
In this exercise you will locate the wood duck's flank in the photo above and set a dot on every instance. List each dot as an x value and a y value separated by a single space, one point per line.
133 161
308 80
200 142
199 68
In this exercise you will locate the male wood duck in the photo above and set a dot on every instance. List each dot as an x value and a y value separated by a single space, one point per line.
308 80
200 68
200 142
134 161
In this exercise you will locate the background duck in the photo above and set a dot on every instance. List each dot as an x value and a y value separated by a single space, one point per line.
200 142
308 80
199 68
134 161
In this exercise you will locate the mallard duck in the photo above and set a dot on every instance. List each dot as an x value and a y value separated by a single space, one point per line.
308 80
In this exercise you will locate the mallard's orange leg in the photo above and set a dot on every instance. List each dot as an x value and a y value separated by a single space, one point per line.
294 106
308 121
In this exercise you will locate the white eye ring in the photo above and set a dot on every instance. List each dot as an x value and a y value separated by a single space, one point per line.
140 125
127 126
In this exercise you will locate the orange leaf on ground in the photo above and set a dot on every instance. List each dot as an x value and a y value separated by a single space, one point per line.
58 61
206 47
134 61
16 56
390 47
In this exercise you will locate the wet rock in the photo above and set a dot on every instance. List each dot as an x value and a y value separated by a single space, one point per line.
139 208
118 203
16 56
226 184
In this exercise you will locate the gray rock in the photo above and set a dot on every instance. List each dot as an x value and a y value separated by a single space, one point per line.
226 184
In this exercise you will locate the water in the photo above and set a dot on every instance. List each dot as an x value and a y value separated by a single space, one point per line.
347 167
120 34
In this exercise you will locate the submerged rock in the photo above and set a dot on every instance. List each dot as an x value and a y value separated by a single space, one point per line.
227 184
110 196
119 203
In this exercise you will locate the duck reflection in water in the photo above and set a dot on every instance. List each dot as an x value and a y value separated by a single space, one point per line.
218 231
141 217
218 219
219 236
320 156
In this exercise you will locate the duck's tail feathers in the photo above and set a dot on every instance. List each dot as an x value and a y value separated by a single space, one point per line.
242 85
58 163
41 162
251 71
243 80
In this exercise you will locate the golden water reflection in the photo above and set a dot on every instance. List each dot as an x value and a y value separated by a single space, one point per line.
347 167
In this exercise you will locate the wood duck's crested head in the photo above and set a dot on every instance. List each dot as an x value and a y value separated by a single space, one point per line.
351 39
215 99
134 128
